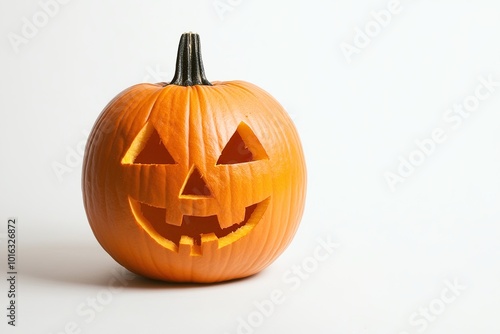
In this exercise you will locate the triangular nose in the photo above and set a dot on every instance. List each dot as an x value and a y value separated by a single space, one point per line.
195 185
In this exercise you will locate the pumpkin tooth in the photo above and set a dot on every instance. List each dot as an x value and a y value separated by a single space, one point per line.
186 245
209 242
174 216
228 218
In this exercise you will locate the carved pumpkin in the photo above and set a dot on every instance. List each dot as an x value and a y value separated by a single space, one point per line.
194 181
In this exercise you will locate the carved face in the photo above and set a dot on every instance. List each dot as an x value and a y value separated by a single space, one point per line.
203 202
202 183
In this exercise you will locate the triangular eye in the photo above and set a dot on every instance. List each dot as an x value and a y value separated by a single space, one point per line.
243 146
148 149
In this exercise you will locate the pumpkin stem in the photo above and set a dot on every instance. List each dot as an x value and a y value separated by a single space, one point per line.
189 67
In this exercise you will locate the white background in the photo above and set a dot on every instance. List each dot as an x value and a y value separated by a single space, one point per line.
399 249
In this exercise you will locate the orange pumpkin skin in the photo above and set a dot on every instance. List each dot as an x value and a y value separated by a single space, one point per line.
194 183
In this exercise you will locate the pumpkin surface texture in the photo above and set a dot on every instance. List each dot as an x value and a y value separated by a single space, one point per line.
194 181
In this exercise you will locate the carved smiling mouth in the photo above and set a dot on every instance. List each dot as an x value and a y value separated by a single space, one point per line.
195 233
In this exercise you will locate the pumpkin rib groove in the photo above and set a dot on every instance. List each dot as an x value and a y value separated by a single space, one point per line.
88 200
105 178
280 246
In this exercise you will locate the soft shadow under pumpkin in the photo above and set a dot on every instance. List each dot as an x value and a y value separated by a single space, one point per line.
84 264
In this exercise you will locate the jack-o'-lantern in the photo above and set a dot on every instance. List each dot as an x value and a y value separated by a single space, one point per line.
194 181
